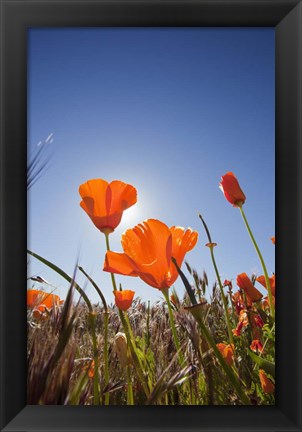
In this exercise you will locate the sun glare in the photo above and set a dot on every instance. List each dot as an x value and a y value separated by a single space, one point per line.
132 216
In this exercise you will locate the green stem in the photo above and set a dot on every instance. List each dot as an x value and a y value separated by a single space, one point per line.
129 336
267 281
130 389
227 316
165 292
112 274
211 246
96 288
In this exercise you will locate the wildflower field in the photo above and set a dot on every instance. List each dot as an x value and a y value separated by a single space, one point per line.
214 345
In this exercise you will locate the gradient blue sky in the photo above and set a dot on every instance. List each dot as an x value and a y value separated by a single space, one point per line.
169 110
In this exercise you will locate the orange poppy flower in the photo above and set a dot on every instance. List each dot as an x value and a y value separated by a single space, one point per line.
227 352
267 385
273 239
256 346
123 299
272 281
148 251
245 283
231 189
39 300
105 202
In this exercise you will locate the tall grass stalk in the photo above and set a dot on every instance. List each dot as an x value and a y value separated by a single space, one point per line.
211 246
267 281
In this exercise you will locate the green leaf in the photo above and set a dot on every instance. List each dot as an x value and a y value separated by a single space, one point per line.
64 275
266 365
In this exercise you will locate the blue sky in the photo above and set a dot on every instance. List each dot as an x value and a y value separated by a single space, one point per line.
169 110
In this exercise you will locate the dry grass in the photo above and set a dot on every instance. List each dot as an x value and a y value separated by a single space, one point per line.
60 355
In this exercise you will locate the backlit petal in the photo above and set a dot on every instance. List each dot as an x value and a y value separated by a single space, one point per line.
244 282
119 263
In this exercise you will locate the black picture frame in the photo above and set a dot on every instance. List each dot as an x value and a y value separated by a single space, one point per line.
19 15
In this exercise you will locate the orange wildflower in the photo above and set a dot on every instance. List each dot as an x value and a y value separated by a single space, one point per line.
231 189
265 303
40 300
105 202
267 385
272 281
244 282
148 251
238 301
273 239
256 346
227 352
123 299
242 322
227 283
91 369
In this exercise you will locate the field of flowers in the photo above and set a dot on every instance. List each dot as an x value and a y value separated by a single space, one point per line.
214 346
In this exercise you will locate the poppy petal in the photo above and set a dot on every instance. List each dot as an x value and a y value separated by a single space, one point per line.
244 282
119 263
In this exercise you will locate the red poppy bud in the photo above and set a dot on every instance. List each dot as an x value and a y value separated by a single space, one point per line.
231 189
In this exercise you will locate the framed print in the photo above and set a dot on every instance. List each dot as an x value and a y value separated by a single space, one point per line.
119 122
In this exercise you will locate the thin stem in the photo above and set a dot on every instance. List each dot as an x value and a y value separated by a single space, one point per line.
130 400
129 335
267 281
227 317
211 246
112 274
174 332
96 288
